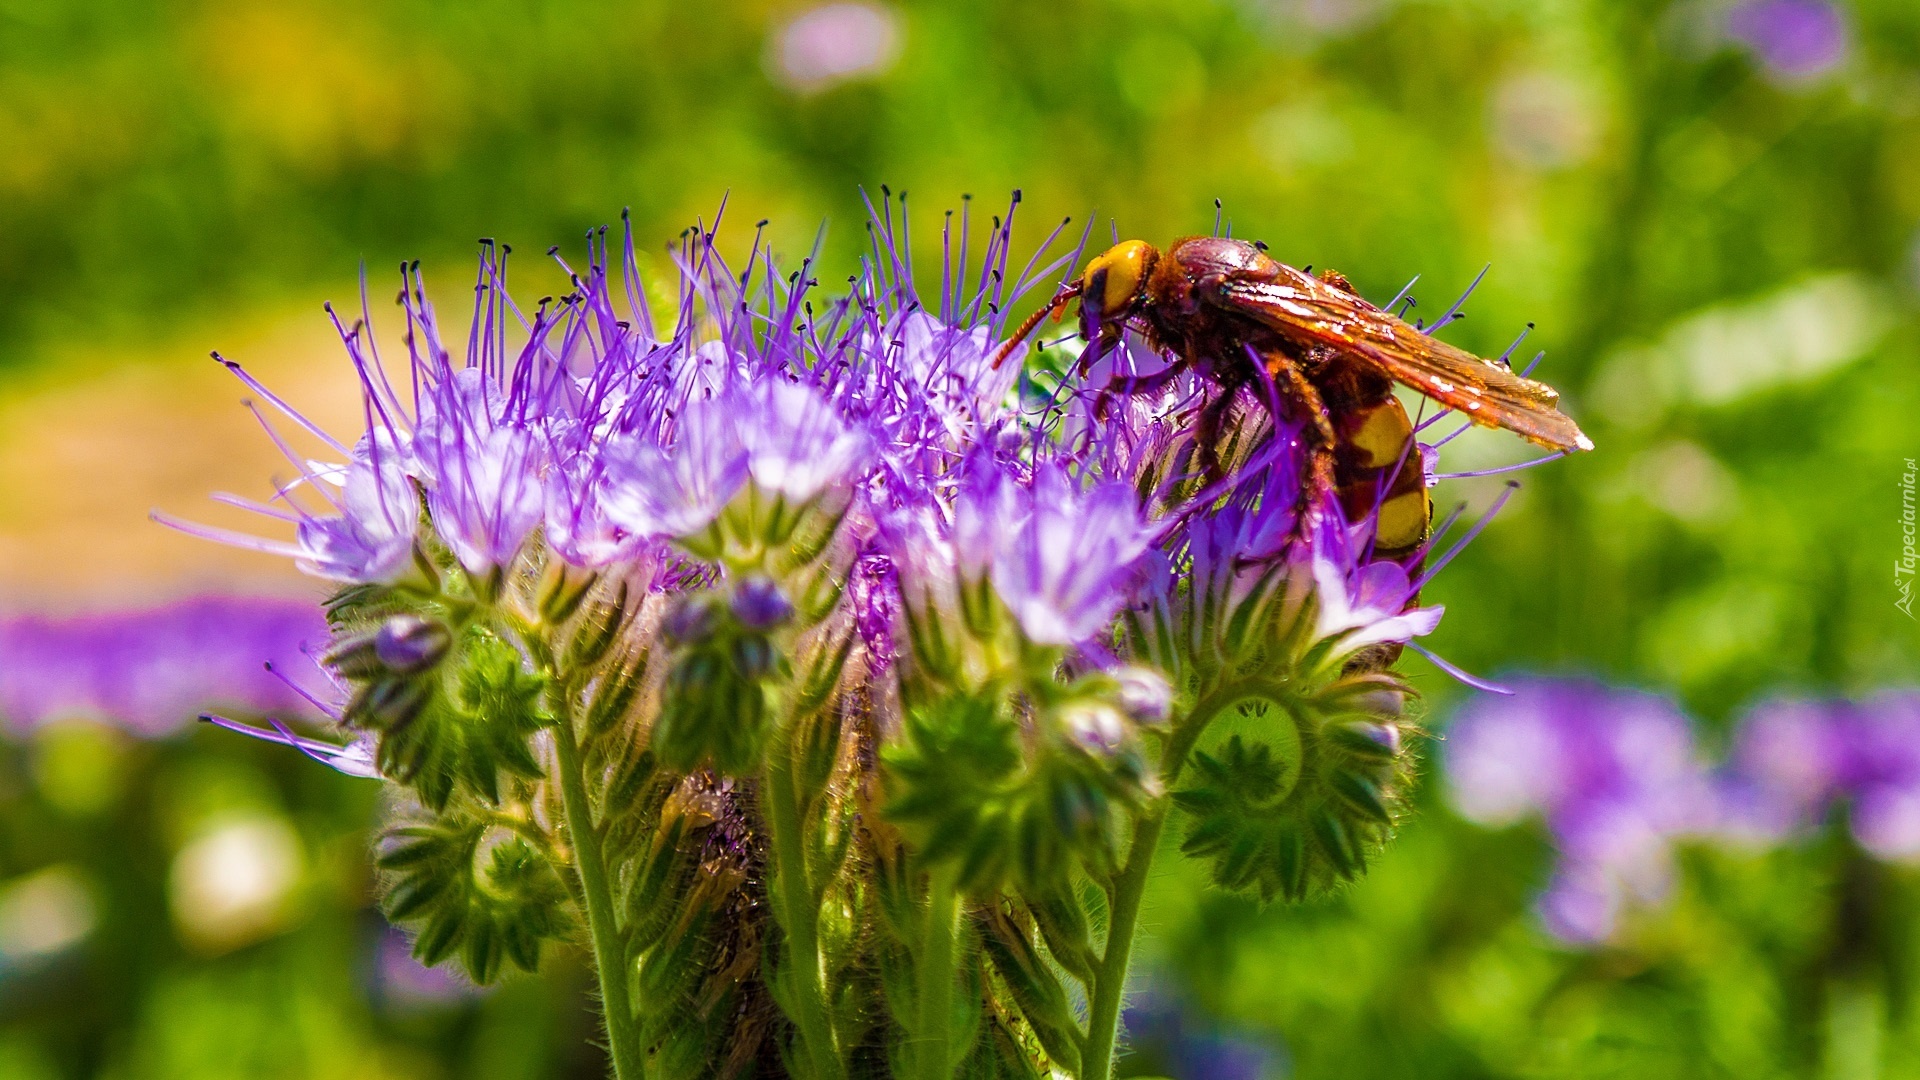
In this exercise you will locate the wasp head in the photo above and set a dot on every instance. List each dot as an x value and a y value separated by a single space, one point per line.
1113 289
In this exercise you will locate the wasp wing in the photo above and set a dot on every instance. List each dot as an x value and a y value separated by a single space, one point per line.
1311 312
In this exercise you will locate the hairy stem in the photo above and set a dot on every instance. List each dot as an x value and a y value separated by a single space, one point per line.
623 1038
1108 992
940 946
800 912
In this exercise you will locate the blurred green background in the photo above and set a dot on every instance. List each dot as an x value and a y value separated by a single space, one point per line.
1714 222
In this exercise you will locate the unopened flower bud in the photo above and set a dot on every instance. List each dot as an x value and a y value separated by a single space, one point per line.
1095 725
354 657
1145 694
753 657
389 703
760 604
408 643
1368 741
692 620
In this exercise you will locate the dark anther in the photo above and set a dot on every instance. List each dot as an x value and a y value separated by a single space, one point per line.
886 192
761 224
554 250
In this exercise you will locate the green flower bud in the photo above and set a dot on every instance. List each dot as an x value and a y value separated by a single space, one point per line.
406 644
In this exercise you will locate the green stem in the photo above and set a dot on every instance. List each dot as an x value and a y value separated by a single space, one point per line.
938 959
1108 992
800 909
1110 978
623 1039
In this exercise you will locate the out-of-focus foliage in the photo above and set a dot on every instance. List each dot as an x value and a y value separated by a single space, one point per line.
1721 260
201 908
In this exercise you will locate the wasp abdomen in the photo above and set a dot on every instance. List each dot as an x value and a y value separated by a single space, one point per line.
1376 466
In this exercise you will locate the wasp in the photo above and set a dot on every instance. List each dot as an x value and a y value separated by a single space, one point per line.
1224 308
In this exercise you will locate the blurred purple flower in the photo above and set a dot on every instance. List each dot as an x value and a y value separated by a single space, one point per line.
1796 40
1613 773
1792 761
1173 1040
833 43
153 671
402 982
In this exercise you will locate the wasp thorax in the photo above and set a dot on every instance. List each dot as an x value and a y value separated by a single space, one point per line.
1116 276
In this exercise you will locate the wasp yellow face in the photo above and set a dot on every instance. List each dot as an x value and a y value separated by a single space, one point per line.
1116 279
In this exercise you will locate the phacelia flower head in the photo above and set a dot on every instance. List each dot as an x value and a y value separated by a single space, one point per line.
659 602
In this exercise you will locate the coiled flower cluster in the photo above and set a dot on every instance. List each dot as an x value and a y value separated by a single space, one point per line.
833 684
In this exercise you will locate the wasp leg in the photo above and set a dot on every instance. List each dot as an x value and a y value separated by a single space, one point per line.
1206 432
1316 471
1133 384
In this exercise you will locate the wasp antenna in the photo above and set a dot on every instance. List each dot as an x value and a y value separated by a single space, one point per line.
1059 300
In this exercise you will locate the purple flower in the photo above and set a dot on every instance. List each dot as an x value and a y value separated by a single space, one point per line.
579 529
1186 1046
152 671
677 491
835 42
797 444
1061 556
483 489
952 370
1363 603
760 604
1797 40
1792 761
1613 773
356 759
371 537
404 983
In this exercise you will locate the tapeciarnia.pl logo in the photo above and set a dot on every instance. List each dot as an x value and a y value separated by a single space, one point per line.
1903 567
